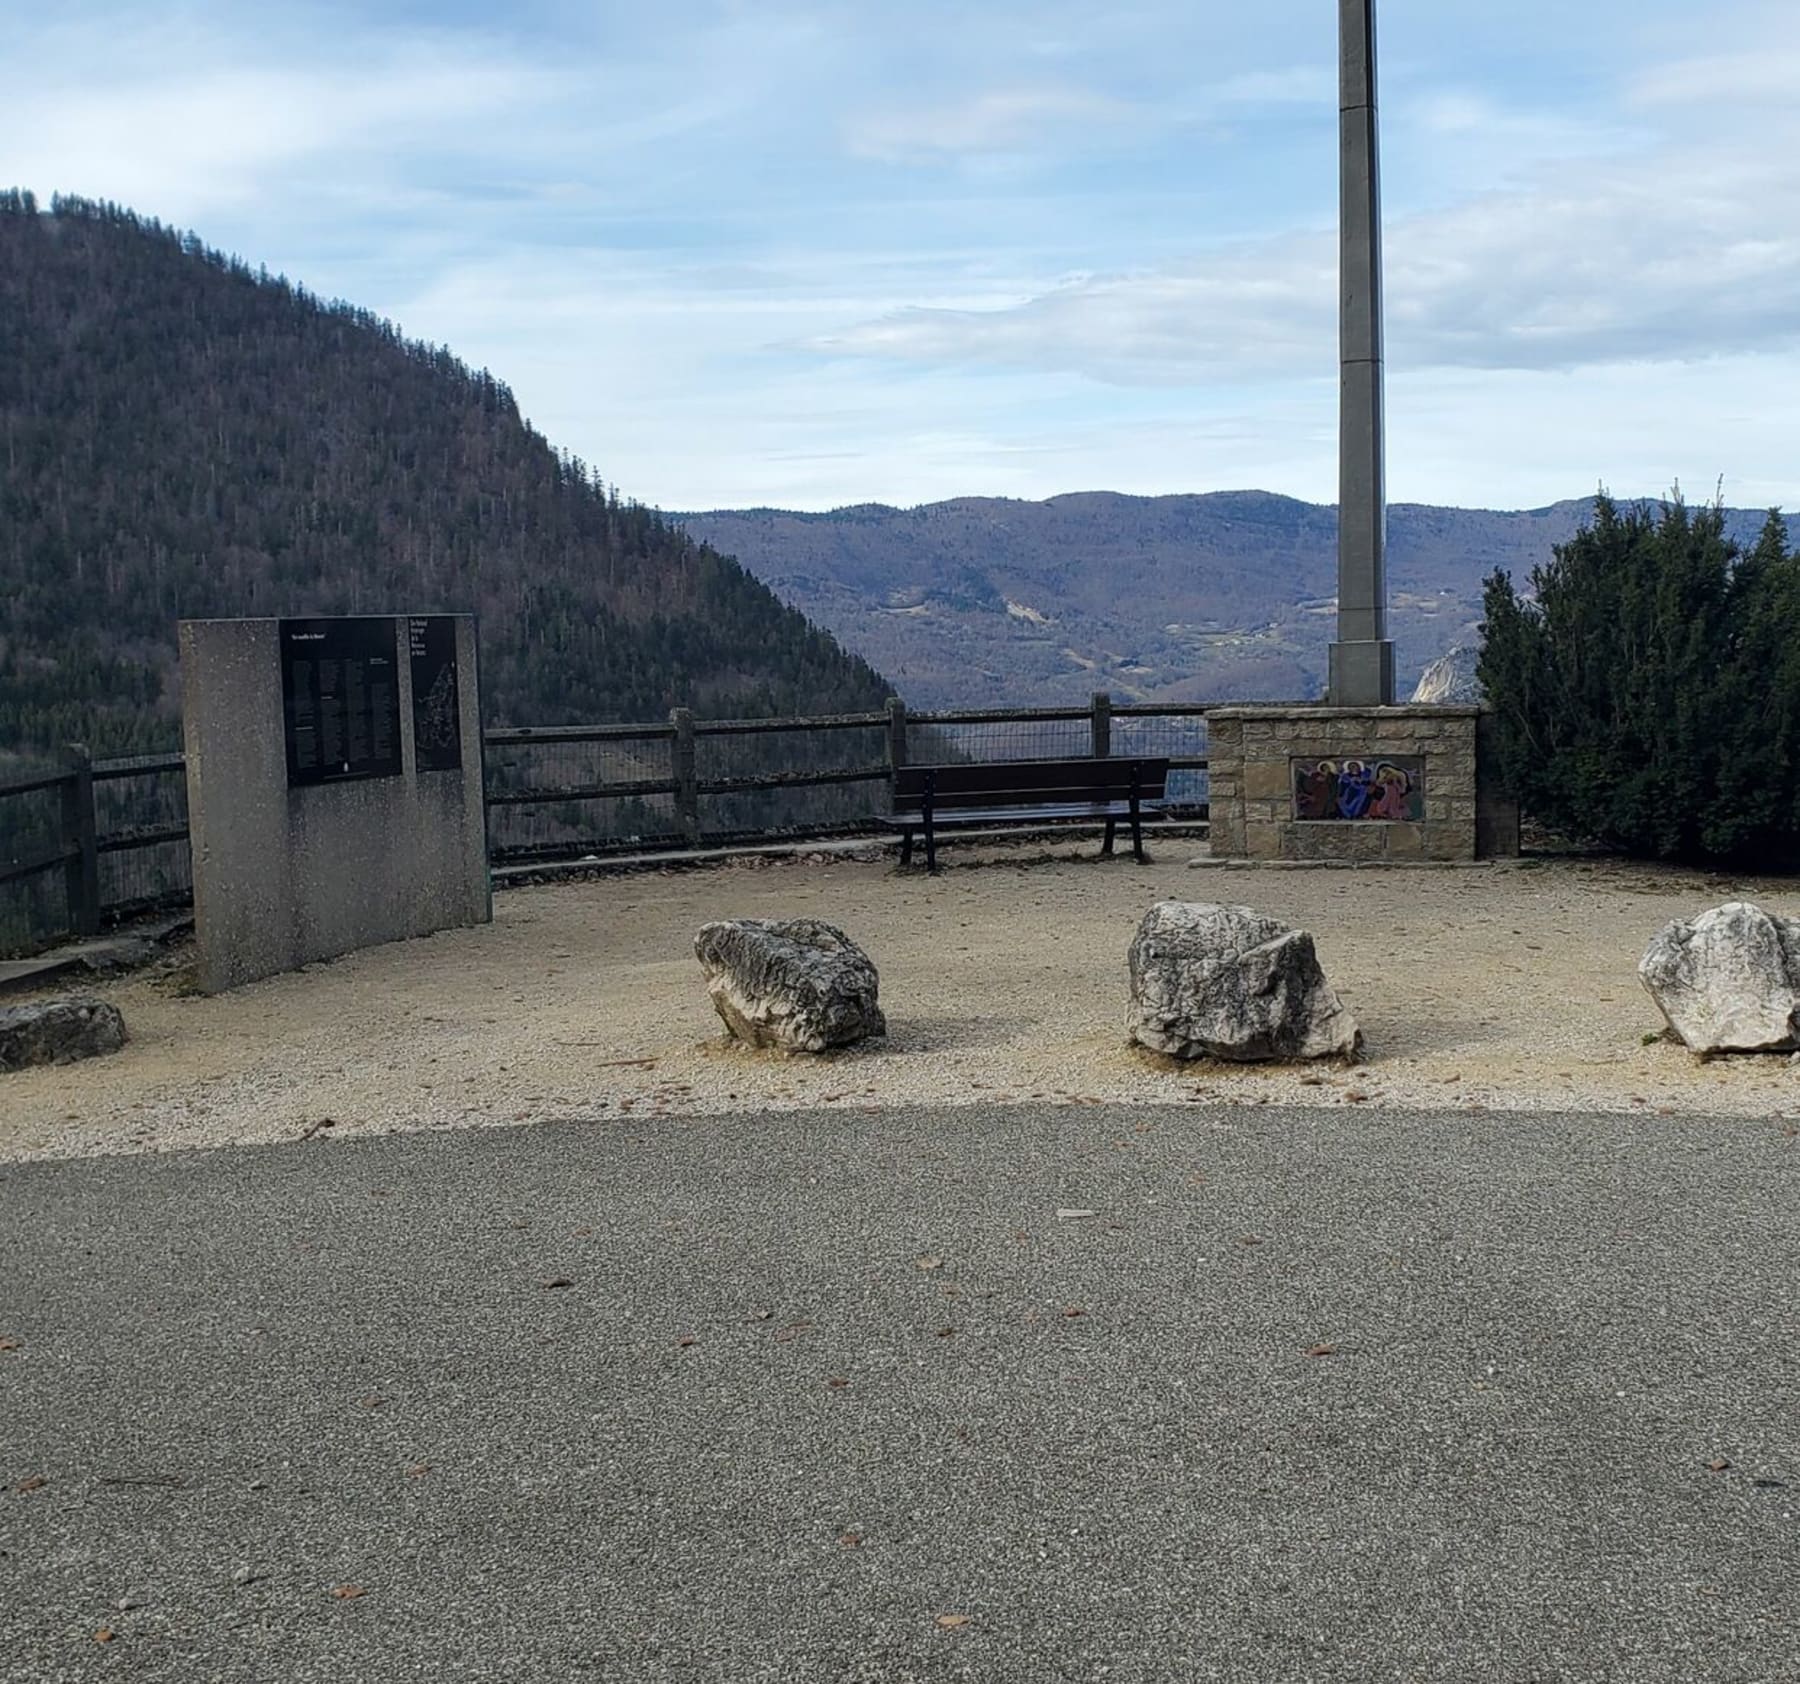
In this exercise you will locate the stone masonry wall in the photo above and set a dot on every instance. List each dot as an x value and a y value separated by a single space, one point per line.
1252 785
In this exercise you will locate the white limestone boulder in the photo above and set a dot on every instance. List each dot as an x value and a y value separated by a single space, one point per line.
59 1031
1452 677
1211 981
796 984
1729 980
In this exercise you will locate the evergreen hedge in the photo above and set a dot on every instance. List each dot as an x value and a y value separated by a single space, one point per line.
1646 690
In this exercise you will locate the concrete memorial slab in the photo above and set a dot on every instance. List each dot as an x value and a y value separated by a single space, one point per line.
334 787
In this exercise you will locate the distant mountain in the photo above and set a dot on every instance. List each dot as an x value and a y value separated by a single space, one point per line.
183 436
986 600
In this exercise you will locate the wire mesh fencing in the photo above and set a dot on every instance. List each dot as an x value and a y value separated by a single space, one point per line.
950 739
140 817
1173 737
562 794
34 906
807 778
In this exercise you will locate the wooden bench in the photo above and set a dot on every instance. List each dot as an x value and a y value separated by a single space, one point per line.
934 798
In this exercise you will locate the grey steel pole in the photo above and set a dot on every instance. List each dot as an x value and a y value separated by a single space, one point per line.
1362 659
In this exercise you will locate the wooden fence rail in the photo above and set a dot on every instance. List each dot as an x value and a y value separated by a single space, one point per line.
67 841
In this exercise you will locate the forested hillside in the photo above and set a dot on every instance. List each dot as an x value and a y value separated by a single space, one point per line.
183 436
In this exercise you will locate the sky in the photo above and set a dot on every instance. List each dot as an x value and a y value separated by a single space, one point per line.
808 253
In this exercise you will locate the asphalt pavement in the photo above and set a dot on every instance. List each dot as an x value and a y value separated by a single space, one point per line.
1000 1394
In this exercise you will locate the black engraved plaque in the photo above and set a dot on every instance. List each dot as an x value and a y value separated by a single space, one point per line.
340 699
436 701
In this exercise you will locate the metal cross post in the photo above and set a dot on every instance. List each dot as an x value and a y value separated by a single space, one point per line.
1362 659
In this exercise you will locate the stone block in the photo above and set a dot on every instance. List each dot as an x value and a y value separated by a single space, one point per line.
1405 841
1268 780
1262 841
1449 843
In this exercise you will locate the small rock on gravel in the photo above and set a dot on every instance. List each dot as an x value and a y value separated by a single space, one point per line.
58 1031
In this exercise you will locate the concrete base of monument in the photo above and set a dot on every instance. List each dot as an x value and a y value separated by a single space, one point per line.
1354 785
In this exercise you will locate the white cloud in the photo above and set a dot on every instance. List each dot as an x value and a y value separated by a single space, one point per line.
1002 120
1300 84
1676 256
183 127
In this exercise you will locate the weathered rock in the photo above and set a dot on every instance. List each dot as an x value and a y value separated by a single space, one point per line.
1451 678
1226 982
797 984
1729 980
58 1031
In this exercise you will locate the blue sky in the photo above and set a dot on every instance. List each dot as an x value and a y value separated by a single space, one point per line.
808 252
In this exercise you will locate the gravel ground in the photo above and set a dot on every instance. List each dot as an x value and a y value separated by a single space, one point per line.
985 1394
1509 986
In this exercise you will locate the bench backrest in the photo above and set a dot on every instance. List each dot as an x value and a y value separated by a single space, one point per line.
1030 783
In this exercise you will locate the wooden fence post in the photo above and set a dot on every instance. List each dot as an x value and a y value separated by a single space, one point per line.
1102 724
80 838
896 738
681 761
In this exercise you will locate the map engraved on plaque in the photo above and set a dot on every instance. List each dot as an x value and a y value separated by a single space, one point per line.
340 700
436 701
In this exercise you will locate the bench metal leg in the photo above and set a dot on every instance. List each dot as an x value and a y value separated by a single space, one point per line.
1137 835
906 837
930 848
1106 847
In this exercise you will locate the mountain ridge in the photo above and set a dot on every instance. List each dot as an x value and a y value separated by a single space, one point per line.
1178 596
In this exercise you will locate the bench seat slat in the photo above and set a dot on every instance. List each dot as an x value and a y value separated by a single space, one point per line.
967 816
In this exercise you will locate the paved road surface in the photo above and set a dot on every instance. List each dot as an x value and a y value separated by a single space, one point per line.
678 1400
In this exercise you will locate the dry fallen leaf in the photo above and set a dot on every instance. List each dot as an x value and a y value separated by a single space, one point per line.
686 1340
1322 1351
838 1381
554 1285
928 1262
418 1470
1717 1465
348 1593
105 1635
950 1622
851 1540
9 1344
1074 1310
1250 1239
36 1482
946 1332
